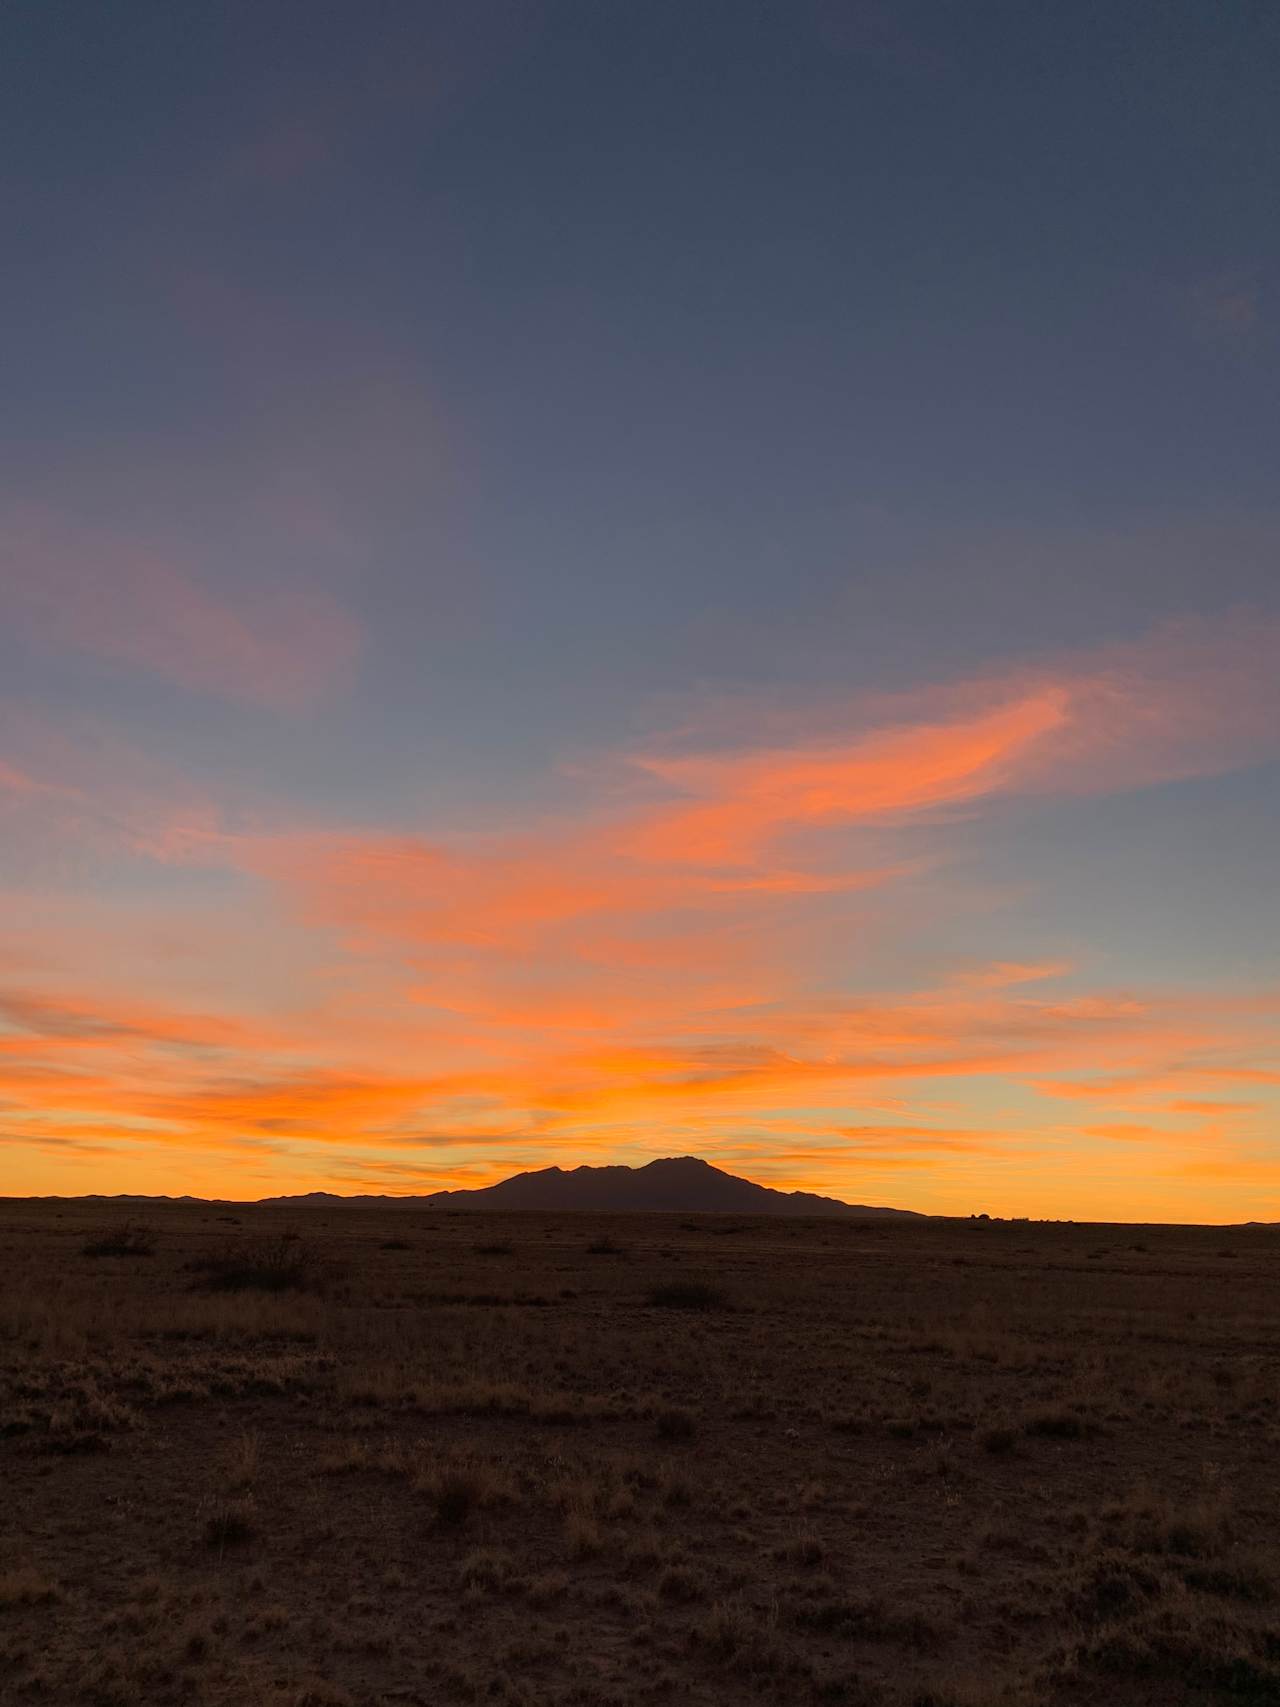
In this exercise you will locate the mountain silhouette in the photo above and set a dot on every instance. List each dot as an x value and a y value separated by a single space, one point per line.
680 1183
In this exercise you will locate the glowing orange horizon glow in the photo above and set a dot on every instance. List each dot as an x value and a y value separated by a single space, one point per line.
677 966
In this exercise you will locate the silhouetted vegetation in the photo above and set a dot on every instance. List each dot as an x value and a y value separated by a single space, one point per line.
686 1295
675 1424
280 1264
129 1240
230 1524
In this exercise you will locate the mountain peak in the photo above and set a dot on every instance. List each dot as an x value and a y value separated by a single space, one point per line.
675 1184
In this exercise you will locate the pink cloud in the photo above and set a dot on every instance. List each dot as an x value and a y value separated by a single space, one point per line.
138 605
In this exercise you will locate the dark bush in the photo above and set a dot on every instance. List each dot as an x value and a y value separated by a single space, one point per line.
1055 1425
265 1265
1233 1582
230 1524
126 1241
457 1493
676 1424
997 1441
686 1295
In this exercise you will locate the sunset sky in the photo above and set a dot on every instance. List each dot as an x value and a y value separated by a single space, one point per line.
582 582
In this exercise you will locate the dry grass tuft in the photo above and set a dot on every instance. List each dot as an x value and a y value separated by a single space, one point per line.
25 1586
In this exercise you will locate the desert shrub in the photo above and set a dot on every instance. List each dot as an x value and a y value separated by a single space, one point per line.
489 1300
866 1619
487 1568
457 1489
804 1549
1055 1425
264 1265
604 1247
1228 1661
546 1587
127 1241
997 1440
686 1295
321 1694
681 1583
345 1460
742 1640
1148 1523
229 1524
676 1424
242 1461
497 1248
583 1534
395 1245
1232 1582
1114 1587
26 1587
455 1496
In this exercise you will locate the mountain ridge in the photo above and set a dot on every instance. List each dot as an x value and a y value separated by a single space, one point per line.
669 1184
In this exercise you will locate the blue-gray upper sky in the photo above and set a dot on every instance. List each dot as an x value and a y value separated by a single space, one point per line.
422 423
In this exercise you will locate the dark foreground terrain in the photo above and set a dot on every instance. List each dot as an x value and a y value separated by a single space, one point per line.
367 1456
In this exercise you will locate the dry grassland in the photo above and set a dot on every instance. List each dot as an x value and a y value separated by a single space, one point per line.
336 1457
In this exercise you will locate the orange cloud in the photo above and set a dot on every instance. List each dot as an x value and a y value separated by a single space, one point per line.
674 964
744 801
1001 974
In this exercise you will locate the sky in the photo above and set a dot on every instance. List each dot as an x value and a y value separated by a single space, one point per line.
584 582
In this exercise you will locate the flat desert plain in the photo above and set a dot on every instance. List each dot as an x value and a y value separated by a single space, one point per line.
315 1457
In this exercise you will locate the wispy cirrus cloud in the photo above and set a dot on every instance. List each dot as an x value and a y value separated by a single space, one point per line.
137 604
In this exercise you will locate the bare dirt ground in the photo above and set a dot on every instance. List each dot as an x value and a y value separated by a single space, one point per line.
372 1456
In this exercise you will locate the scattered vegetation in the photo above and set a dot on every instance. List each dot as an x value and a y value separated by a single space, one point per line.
908 1467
